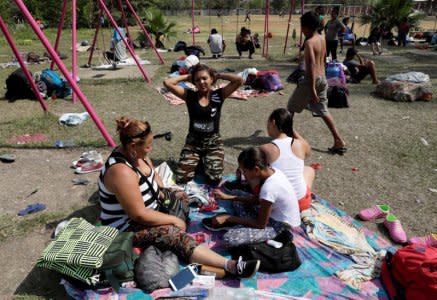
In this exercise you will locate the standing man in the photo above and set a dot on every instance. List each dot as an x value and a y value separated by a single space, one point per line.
403 29
332 28
312 90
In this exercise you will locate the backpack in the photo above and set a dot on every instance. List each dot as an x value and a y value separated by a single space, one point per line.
273 260
411 273
154 268
118 262
18 87
338 96
55 84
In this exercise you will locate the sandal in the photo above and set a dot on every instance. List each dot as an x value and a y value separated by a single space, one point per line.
339 151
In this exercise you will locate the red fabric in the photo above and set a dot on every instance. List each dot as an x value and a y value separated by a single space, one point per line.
305 201
415 268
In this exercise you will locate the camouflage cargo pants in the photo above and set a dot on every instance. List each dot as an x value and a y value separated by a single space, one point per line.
208 149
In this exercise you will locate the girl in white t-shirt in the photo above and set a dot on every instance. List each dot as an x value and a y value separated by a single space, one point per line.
262 217
287 152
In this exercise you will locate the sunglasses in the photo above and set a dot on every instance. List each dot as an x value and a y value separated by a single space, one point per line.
142 134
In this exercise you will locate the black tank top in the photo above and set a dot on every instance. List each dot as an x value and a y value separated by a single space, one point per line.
204 120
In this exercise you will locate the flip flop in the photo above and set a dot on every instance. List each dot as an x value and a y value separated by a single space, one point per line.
7 158
339 151
32 208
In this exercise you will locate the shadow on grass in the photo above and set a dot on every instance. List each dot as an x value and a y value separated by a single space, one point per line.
43 282
241 143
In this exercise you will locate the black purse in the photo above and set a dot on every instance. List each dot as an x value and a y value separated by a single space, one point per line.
273 260
174 206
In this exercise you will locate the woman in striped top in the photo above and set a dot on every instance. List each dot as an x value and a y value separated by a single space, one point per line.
129 199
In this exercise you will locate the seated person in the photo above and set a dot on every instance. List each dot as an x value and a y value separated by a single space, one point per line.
159 40
130 197
117 47
216 43
263 216
358 67
244 42
287 152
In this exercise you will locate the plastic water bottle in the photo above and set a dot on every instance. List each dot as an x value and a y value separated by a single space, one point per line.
333 70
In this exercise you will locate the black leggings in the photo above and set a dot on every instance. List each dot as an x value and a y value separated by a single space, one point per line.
331 48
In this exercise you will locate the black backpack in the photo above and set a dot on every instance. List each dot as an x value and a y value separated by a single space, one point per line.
338 97
18 87
273 260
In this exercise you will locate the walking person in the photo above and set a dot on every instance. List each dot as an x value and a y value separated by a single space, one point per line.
312 89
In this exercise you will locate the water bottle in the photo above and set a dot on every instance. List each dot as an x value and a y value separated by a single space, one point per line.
333 70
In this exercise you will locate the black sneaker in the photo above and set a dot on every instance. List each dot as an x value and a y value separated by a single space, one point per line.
248 268
208 224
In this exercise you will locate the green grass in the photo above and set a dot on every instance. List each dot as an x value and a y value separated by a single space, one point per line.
14 226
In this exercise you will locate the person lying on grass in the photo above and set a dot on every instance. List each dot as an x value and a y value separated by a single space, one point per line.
203 142
264 216
287 153
130 197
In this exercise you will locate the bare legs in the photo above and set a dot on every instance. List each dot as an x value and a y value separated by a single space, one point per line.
206 256
309 174
338 141
372 70
376 49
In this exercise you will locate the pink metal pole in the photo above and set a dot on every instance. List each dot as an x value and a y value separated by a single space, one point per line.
73 44
288 26
267 27
126 25
146 33
96 34
23 66
131 51
58 35
65 72
192 21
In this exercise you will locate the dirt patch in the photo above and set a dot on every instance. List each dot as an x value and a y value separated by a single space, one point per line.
125 72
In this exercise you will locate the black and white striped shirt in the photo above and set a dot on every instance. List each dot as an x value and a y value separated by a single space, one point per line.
112 214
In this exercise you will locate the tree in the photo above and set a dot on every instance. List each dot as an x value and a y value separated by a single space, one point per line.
389 13
156 22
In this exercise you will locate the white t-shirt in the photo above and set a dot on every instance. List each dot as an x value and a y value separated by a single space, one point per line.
216 43
278 190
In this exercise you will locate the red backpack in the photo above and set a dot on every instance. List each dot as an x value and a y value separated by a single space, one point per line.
411 273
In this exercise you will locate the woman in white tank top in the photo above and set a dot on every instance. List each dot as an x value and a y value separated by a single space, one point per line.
287 152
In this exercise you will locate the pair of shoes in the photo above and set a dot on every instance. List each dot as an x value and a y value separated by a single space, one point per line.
208 224
88 157
247 268
89 167
391 222
250 57
339 151
428 240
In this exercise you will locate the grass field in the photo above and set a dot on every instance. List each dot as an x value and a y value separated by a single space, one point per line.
383 137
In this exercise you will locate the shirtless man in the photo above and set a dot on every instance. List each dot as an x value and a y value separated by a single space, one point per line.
312 90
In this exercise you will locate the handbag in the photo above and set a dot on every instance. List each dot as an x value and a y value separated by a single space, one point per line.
174 206
273 260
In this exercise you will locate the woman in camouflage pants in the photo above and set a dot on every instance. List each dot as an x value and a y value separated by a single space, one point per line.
203 142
